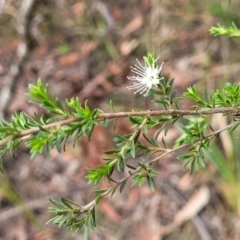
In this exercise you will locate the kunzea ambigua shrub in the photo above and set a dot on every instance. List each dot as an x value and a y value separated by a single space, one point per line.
40 133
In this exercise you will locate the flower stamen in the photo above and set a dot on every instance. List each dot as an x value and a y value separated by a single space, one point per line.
146 75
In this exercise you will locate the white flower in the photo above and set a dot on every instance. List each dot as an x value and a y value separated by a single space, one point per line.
147 76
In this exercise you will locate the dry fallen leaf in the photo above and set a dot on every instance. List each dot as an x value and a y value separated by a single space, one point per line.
132 26
79 8
88 47
128 46
185 182
68 59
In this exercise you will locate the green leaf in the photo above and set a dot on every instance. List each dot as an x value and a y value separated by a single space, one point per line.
65 202
98 198
162 100
58 144
85 236
136 120
152 92
94 217
184 157
167 127
173 95
153 142
56 203
100 191
113 191
150 183
120 165
122 186
164 143
131 167
1 166
111 106
133 150
105 122
113 151
201 162
233 128
193 94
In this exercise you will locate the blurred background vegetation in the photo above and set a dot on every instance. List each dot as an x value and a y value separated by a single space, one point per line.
85 49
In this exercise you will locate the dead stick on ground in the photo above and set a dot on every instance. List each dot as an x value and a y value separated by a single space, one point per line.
179 199
2 5
24 46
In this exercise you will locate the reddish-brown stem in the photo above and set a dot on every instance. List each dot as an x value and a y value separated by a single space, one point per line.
27 133
167 152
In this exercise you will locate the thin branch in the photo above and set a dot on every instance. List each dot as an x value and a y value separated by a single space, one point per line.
168 113
131 139
24 135
116 185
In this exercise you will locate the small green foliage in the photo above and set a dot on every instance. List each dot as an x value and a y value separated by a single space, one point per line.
40 95
150 59
96 175
195 157
37 143
3 150
128 144
204 101
40 133
165 96
232 31
145 174
229 96
71 215
193 94
194 130
194 133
